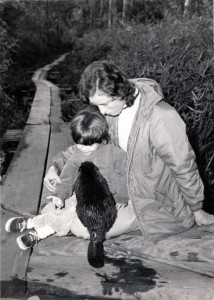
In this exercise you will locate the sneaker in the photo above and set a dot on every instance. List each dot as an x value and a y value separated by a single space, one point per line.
16 224
27 240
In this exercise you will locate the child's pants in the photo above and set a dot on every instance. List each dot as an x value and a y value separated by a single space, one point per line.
45 224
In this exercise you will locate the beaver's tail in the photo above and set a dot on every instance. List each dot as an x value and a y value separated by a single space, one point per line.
96 252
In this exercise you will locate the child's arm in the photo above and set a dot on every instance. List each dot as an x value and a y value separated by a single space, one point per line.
56 167
68 176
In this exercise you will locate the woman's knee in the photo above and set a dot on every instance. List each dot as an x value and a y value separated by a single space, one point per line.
126 221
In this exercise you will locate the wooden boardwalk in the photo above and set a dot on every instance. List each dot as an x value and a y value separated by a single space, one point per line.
57 267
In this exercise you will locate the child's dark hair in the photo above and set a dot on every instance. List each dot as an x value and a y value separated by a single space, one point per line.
89 126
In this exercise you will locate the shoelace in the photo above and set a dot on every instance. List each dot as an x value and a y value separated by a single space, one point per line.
22 225
33 236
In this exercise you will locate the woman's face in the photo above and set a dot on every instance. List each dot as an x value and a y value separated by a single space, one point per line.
108 105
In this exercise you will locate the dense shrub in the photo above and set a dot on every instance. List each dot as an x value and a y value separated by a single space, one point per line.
178 55
6 46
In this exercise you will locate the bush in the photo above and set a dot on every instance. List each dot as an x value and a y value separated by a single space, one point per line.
178 55
6 47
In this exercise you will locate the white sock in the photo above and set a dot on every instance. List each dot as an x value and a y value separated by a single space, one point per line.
29 223
44 232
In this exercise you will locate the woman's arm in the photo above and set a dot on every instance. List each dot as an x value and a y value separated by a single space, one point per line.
171 142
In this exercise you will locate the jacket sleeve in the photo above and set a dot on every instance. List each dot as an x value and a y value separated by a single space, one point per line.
120 168
170 140
61 158
68 176
120 159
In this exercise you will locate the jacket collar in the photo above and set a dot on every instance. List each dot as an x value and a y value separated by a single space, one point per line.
150 93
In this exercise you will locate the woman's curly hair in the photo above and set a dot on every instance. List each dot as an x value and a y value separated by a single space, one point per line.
106 77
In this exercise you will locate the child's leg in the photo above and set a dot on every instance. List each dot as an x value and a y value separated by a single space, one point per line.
44 232
125 222
29 239
20 224
59 220
38 233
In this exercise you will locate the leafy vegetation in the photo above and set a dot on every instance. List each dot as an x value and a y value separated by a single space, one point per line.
6 46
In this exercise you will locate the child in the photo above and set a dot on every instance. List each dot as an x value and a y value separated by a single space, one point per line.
89 131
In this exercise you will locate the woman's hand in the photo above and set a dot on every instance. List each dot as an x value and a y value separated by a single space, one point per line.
57 202
51 179
203 218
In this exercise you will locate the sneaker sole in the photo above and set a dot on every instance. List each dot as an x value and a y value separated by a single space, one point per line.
7 225
20 244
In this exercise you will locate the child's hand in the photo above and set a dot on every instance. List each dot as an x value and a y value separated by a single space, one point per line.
203 218
51 179
58 203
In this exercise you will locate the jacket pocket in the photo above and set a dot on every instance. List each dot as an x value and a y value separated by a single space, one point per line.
167 203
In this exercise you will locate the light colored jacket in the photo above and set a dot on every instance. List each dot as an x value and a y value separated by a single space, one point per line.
163 180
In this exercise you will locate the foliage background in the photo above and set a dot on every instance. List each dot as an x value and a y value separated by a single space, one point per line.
156 40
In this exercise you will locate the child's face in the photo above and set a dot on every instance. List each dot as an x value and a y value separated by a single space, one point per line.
88 149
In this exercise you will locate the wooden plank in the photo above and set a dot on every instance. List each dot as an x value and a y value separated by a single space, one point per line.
59 267
12 135
40 109
23 184
8 248
12 283
191 250
60 136
24 178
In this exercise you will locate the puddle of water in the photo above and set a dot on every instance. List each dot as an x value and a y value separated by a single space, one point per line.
130 277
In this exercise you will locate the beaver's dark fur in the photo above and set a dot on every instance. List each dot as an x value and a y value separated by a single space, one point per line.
96 209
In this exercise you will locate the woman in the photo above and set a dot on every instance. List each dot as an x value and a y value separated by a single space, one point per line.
165 189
